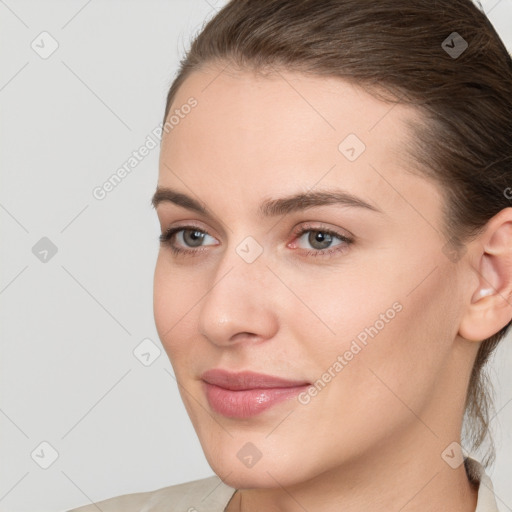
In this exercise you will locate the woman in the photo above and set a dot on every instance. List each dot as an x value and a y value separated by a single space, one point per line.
336 254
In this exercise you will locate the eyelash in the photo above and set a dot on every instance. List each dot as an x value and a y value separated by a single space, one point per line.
166 238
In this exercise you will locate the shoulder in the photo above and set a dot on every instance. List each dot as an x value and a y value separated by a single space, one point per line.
205 495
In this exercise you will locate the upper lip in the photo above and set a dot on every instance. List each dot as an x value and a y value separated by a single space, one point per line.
247 380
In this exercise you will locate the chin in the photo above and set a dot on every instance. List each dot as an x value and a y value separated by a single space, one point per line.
242 478
271 471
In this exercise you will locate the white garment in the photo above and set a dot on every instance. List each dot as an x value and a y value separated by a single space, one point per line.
212 495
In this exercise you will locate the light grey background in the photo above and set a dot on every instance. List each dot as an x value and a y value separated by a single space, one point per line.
70 325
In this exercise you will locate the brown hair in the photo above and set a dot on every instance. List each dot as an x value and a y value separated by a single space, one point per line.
401 51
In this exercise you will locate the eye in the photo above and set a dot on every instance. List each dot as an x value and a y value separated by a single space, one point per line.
321 239
189 236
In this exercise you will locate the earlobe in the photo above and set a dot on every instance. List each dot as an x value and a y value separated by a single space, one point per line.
490 308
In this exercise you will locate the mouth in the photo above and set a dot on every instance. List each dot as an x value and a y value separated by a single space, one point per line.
246 394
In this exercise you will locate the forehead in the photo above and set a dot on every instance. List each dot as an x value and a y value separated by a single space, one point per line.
266 133
296 106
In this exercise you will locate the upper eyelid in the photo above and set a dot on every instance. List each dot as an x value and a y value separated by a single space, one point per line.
307 226
222 228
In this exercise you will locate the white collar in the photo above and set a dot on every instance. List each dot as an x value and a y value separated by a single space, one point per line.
486 498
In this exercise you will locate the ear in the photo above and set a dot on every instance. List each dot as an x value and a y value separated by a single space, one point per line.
489 304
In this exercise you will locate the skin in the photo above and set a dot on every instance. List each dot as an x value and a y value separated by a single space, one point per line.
373 438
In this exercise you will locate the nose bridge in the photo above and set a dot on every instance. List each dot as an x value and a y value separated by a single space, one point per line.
244 256
239 298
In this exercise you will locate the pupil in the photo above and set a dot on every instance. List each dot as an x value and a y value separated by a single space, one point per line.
321 237
195 236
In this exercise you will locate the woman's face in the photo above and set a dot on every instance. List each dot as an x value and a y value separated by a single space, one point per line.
370 323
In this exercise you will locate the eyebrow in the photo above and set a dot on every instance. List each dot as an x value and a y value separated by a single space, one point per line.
270 207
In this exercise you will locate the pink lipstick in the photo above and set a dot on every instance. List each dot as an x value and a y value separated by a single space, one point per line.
246 394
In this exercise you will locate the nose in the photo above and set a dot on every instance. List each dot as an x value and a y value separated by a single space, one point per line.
240 304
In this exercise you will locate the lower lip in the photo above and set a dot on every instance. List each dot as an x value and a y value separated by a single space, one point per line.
249 402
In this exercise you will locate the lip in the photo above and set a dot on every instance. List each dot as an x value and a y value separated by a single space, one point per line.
246 394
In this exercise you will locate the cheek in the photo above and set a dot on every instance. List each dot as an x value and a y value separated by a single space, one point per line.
395 369
172 307
392 330
341 311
